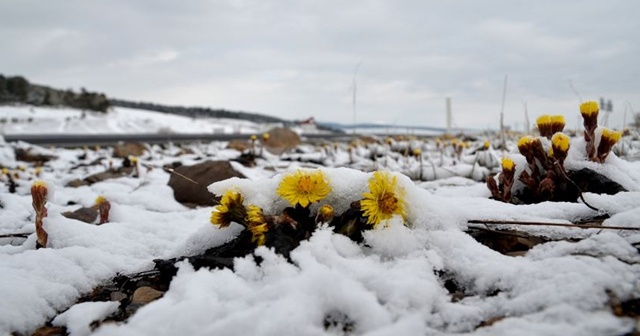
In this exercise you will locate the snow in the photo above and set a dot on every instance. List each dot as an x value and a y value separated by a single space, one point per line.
80 316
28 120
392 283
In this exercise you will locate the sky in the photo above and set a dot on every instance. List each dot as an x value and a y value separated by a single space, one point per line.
296 59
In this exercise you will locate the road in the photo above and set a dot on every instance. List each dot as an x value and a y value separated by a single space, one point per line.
74 140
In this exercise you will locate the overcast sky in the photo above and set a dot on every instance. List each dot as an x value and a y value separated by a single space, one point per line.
296 58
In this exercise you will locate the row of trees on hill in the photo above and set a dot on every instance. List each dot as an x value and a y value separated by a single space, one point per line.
17 89
197 112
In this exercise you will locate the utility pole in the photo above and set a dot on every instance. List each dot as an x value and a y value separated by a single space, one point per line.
448 106
503 140
527 126
355 87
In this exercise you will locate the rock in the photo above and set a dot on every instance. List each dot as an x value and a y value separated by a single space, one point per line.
31 155
50 331
141 297
239 145
367 140
590 181
87 215
117 296
509 242
77 183
124 150
109 174
204 174
144 295
281 140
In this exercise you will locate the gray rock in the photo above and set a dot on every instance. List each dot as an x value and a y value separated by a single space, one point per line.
204 174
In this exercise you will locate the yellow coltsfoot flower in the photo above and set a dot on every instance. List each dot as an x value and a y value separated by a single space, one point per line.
39 195
304 187
557 123
229 210
257 224
104 206
503 190
325 214
383 200
589 111
559 147
544 125
589 108
507 164
608 139
524 143
99 200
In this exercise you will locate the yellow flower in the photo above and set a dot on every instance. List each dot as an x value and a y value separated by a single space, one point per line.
524 144
417 152
265 136
39 192
557 123
589 108
325 214
257 224
611 135
253 137
133 159
560 143
383 200
304 187
608 139
486 144
255 215
5 171
545 126
258 233
507 164
543 120
100 199
229 210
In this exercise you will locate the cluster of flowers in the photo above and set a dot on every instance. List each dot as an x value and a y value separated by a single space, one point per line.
545 177
598 147
301 189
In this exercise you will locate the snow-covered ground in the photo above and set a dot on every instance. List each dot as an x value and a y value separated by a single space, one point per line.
391 284
33 119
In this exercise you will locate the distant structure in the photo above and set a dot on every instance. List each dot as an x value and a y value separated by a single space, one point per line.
605 106
448 104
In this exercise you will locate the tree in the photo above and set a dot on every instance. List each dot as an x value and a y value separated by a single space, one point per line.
18 87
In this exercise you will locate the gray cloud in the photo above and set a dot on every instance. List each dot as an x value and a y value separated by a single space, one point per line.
296 59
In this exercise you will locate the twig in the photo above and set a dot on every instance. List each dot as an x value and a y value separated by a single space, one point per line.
564 174
16 235
172 171
499 222
475 162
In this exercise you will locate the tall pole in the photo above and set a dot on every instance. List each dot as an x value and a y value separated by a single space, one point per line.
448 104
503 140
526 119
355 87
